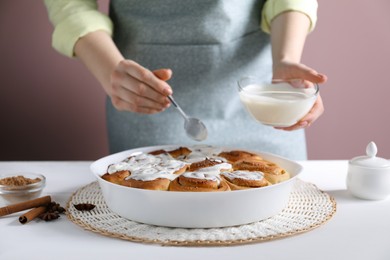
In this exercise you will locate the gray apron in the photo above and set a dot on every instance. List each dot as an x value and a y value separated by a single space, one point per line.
209 45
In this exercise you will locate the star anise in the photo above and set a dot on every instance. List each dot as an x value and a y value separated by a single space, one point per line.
49 216
55 207
84 206
53 211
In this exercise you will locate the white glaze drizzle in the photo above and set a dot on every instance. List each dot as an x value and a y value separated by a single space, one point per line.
209 173
203 152
149 167
116 167
216 168
150 174
245 175
204 175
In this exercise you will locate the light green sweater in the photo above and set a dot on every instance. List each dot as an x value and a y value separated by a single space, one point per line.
73 19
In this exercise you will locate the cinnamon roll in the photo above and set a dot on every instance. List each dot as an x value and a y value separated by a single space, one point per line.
146 171
116 177
155 184
242 180
180 152
199 182
276 174
236 155
210 165
272 172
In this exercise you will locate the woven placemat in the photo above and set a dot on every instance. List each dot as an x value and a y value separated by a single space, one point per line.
308 208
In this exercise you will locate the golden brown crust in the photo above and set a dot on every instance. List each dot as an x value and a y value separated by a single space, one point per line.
253 164
243 184
182 170
277 175
197 185
157 184
179 152
200 183
157 152
116 177
236 155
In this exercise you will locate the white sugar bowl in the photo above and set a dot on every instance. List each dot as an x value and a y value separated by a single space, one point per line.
369 176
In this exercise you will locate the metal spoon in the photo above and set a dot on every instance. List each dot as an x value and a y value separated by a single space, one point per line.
195 128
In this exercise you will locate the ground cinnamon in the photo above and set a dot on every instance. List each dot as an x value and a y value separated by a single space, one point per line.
42 201
18 181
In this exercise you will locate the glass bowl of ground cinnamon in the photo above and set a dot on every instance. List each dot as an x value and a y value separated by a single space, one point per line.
19 187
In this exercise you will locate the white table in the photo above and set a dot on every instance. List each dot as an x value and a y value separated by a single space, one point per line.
359 230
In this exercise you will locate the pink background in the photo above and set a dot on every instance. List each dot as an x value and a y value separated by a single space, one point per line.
51 108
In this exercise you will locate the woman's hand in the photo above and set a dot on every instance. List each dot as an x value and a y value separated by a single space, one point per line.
137 89
130 86
293 71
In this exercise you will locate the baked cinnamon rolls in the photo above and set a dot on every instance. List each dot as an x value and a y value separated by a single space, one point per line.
195 169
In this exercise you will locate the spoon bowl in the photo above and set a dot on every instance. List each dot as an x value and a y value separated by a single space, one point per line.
195 128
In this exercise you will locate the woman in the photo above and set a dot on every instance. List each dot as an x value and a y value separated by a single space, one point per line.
196 50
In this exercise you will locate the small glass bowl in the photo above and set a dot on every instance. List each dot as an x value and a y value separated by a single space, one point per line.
278 104
19 193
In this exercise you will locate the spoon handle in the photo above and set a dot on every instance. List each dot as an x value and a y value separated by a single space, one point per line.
177 107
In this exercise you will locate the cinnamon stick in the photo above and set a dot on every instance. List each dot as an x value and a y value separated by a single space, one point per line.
31 214
24 205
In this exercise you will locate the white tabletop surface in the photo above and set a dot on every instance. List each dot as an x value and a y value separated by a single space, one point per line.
360 229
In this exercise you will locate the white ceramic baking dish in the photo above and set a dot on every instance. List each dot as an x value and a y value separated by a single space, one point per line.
195 209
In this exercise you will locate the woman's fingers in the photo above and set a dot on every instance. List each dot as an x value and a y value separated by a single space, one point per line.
136 100
163 74
122 105
129 88
306 73
146 76
300 75
316 111
137 89
288 70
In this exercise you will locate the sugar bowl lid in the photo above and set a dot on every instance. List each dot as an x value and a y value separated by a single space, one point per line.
370 160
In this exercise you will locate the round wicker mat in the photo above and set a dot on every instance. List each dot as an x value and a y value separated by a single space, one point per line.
308 208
